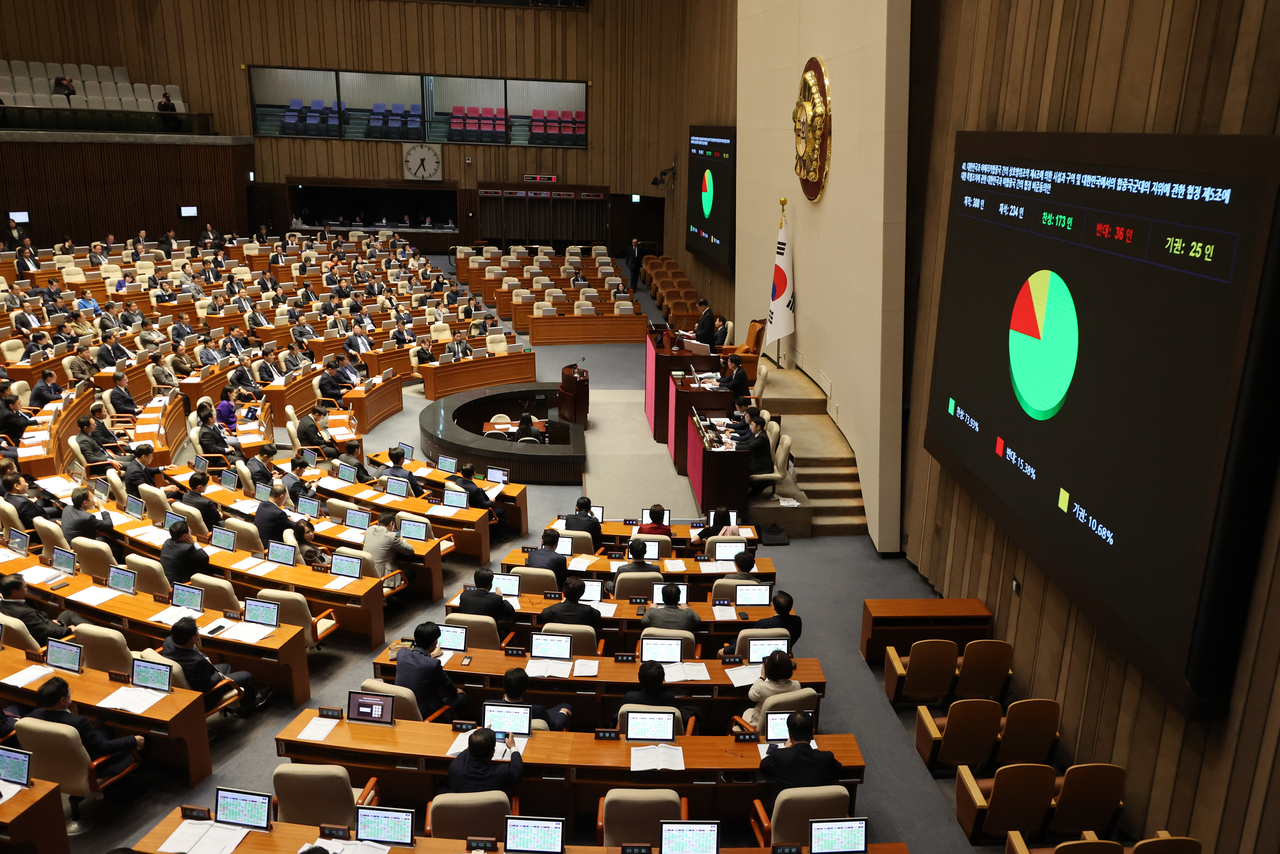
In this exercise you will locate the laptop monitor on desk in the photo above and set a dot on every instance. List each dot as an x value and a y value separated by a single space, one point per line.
64 655
188 596
408 450
398 486
505 718
64 561
358 519
455 498
228 479
223 538
262 491
453 638
245 809
558 647
690 837
369 708
155 675
506 584
309 507
594 591
564 546
750 595
662 650
758 649
262 611
347 472
496 474
385 825
730 550
837 835
121 579
281 553
348 566
529 835
447 464
657 591
15 766
651 726
412 529
645 518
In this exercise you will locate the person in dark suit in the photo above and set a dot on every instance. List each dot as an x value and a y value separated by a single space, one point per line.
706 329
652 679
78 521
633 263
395 457
797 764
111 351
351 456
24 321
761 460
260 466
16 493
180 556
140 471
269 370
474 770
571 610
14 590
270 520
27 263
514 683
212 440
310 429
12 420
400 335
546 557
582 520
101 432
783 618
484 602
419 669
97 458
329 386
13 236
736 381
54 701
45 391
202 674
121 400
194 497
722 332
476 497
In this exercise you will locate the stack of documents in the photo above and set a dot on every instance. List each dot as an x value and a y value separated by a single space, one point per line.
247 632
742 676
128 699
606 609
338 582
324 525
329 482
318 729
154 536
204 837
173 613
717 566
441 510
688 671
27 675
93 595
32 574
543 668
582 563
657 757
246 505
493 491
586 667
723 612
673 565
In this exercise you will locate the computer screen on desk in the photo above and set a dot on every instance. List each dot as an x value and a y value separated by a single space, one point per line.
447 464
102 487
498 475
18 541
223 538
246 809
543 645
690 837
358 519
650 549
282 553
412 529
408 450
121 579
188 596
663 650
535 835
504 718
262 612
758 649
564 546
229 480
369 708
593 593
455 498
837 835
347 566
347 472
15 766
506 584
309 507
750 595
63 655
155 675
645 518
597 510
657 592
453 638
398 486
261 491
651 726
730 550
388 826
64 561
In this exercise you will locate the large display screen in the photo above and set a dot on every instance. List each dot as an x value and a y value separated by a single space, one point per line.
709 204
1097 375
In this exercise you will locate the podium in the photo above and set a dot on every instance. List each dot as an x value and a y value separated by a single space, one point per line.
574 388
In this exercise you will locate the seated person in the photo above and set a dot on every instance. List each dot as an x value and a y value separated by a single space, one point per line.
718 525
515 682
582 520
653 524
526 430
671 614
783 618
545 557
53 701
208 509
474 769
419 669
476 497
181 556
483 602
182 647
775 678
745 564
261 467
14 590
652 678
270 518
797 764
395 468
350 456
17 493
121 400
638 563
571 610
141 471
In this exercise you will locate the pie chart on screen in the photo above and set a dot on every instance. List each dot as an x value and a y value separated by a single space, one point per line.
1044 341
708 193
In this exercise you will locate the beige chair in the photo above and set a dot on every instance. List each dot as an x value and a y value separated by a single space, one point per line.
1089 843
723 588
440 332
985 670
743 643
1029 732
452 815
78 463
623 306
156 502
58 756
392 583
780 457
1089 797
582 542
663 541
966 735
789 823
94 557
319 794
689 647
51 536
219 595
584 638
247 538
924 676
630 584
117 487
582 306
338 509
104 649
9 516
681 724
803 700
151 577
295 611
405 706
711 542
225 692
1017 798
535 579
635 816
496 344
482 631
195 522
246 479
16 634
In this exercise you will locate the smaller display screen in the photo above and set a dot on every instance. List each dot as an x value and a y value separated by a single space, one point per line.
503 718
262 612
651 726
223 538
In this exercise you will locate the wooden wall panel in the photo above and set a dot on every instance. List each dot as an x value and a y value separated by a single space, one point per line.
1103 66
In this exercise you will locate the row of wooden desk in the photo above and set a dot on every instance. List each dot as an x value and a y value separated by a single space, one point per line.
604 327
512 367
689 571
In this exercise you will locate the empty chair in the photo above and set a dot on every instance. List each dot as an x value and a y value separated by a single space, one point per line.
623 306
689 646
53 70
984 670
77 102
405 705
218 592
111 104
141 92
966 735
584 637
104 73
104 649
174 92
924 676
1089 843
6 85
18 68
155 92
533 579
151 577
319 794
41 100
86 73
792 811
482 631
1029 732
120 73
59 102
455 815
1089 797
295 611
109 90
21 86
630 584
129 105
94 557
36 69
635 815
1017 798
17 635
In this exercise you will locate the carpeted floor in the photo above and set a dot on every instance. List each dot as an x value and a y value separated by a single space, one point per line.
829 578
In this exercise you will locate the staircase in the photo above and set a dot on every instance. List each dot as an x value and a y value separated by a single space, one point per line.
835 494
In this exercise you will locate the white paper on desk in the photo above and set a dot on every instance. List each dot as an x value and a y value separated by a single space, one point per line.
33 574
723 612
513 601
606 609
143 429
129 699
338 583
445 657
335 847
717 566
635 529
173 613
614 565
221 621
493 492
366 494
744 675
332 483
318 729
27 675
657 757
24 451
184 477
764 748
247 632
263 568
118 518
246 505
558 524
459 744
206 837
93 595
456 600
581 563
748 531
246 563
150 534
249 437
686 672
543 668
8 790
212 487
586 667
340 433
673 565
441 510
325 525
352 535
384 498
57 485
35 436
502 754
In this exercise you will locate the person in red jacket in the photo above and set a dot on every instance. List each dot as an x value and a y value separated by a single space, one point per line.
654 525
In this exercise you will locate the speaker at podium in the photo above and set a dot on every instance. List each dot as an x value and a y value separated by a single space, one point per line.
574 388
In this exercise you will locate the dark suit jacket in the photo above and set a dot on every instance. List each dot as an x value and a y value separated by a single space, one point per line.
200 672
44 393
548 559
123 402
467 774
309 433
78 523
799 766
259 471
706 330
721 334
575 614
211 441
737 383
330 388
182 560
207 508
37 622
27 511
12 424
426 677
271 522
791 622
92 450
95 743
136 474
486 604
475 495
397 471
585 522
760 461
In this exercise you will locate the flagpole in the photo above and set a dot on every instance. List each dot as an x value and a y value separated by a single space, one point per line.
781 217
